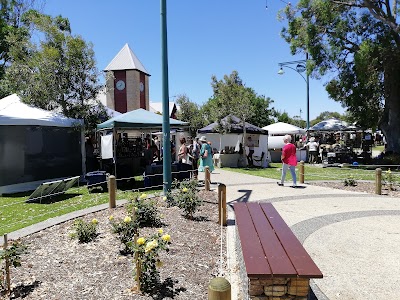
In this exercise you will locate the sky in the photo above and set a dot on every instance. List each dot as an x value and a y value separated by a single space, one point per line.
205 38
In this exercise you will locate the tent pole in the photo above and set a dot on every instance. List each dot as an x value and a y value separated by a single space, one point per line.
115 151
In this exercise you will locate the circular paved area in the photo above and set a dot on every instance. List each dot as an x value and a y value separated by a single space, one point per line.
353 237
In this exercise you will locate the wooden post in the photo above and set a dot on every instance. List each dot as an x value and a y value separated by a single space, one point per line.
219 289
207 178
222 204
378 181
301 171
8 280
112 185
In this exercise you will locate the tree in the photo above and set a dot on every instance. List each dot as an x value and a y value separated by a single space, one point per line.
190 112
358 42
263 112
58 72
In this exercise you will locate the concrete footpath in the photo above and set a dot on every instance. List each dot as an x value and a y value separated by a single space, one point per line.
354 238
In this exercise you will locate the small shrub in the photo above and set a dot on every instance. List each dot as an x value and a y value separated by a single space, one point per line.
350 181
147 214
388 179
147 250
85 232
186 197
126 230
13 254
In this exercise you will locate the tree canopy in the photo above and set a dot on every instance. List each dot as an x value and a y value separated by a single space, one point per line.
52 69
356 43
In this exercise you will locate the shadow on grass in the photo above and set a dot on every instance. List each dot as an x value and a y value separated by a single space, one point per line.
54 199
167 289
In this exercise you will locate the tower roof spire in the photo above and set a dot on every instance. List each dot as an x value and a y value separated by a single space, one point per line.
126 60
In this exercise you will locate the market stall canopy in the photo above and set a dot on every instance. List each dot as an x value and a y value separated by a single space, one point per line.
14 112
139 118
282 128
235 126
329 125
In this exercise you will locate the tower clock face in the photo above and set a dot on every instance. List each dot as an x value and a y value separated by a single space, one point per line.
120 85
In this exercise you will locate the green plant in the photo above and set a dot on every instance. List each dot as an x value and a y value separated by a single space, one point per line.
185 196
126 230
389 180
350 181
85 232
147 253
147 214
12 254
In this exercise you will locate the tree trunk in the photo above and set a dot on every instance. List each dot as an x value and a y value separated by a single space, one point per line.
390 122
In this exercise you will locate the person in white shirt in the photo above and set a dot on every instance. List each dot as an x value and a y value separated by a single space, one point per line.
312 146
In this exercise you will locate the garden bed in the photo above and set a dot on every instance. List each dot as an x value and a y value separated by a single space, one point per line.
57 267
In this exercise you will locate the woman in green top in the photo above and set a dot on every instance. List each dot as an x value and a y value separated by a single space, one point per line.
205 155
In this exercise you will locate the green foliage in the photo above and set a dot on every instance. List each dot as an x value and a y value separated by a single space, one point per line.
85 232
358 43
147 250
388 179
13 254
185 196
126 230
147 214
190 112
350 181
54 70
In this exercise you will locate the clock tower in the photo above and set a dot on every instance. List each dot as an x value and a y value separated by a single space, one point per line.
127 82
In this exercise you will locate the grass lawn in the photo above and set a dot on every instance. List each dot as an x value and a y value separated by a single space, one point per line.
312 172
16 213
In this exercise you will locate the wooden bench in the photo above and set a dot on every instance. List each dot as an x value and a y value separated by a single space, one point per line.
276 264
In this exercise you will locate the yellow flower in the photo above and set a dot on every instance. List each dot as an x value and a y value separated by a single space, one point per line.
184 190
141 241
166 237
111 218
143 196
94 221
127 219
160 231
161 216
165 198
151 245
388 171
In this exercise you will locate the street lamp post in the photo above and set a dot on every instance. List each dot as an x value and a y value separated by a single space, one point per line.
300 68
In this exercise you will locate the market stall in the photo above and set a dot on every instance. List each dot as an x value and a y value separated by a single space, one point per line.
127 146
226 144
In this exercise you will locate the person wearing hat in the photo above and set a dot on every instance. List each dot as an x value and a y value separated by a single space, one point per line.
312 146
205 155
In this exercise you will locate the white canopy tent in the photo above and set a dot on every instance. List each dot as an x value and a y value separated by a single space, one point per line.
282 128
37 146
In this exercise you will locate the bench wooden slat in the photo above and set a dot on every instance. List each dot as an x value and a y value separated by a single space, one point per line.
253 254
301 260
277 258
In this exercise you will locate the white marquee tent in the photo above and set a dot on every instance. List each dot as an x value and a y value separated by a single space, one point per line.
37 146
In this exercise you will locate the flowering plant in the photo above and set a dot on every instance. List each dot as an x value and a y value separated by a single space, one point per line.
389 180
125 228
147 253
85 232
185 196
146 211
12 254
350 181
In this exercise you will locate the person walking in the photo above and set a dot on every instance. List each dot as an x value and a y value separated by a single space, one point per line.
289 160
196 156
250 144
205 155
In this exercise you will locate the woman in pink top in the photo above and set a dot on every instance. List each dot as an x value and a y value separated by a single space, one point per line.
289 160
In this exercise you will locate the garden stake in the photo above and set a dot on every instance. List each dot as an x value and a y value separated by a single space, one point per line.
378 181
222 204
207 178
301 171
8 280
112 183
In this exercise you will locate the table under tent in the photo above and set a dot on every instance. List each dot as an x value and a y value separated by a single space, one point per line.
123 141
226 145
37 146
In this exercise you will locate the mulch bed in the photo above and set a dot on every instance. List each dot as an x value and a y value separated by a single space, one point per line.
57 267
361 186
